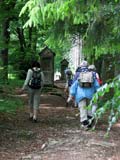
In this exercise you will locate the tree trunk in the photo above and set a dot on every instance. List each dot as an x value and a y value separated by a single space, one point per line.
21 38
117 64
108 68
33 39
80 56
6 17
4 51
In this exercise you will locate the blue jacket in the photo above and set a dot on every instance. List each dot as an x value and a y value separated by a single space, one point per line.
80 93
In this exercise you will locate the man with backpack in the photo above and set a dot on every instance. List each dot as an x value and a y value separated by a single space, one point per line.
82 90
92 68
34 84
69 81
68 76
83 67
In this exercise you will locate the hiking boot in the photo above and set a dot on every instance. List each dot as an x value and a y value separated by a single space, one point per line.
91 121
35 121
85 125
89 117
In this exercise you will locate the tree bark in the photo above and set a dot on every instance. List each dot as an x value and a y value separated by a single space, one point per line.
117 64
20 33
4 51
6 17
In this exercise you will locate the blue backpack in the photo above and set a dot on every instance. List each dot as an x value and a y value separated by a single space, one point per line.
70 81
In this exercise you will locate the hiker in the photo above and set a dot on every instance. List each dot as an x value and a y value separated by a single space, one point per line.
68 73
69 81
82 90
93 69
34 83
83 67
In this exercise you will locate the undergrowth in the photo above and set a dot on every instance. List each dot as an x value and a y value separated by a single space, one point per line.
9 102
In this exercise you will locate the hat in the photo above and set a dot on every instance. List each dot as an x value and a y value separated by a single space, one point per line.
84 64
92 67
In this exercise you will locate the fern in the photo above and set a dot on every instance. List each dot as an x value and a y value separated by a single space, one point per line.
111 103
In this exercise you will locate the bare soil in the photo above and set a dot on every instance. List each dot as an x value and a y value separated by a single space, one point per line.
57 135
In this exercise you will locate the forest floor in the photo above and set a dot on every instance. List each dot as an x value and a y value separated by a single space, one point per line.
57 135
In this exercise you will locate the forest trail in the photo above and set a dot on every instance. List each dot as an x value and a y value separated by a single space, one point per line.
56 136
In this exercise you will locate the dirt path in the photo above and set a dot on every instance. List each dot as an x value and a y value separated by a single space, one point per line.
56 136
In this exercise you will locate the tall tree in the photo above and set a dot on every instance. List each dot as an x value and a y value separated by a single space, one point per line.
5 18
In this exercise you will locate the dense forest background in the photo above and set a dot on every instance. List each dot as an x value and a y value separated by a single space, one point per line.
26 27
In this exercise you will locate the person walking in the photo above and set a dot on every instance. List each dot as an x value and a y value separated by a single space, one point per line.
83 93
82 68
69 81
92 68
34 83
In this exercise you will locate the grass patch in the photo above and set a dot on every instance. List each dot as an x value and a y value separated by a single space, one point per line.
10 104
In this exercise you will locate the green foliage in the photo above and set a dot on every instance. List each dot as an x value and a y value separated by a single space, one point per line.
9 101
10 104
102 34
102 19
111 103
59 18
